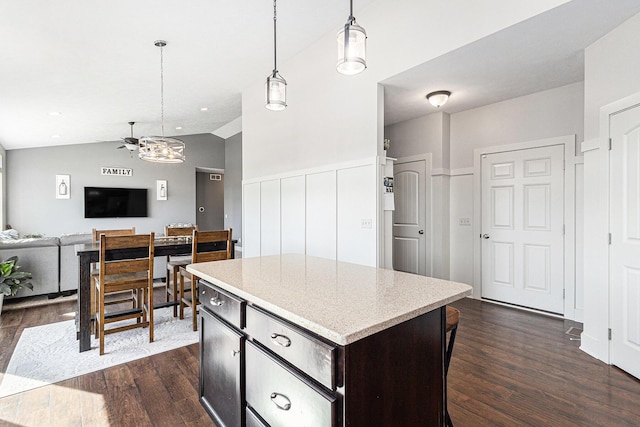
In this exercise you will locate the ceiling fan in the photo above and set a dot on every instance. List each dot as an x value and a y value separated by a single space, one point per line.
130 143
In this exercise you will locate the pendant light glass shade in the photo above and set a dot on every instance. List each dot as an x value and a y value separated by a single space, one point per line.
352 47
276 88
161 149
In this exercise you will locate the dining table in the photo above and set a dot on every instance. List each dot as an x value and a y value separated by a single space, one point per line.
89 253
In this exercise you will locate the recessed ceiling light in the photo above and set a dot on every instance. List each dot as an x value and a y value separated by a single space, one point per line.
178 127
55 113
55 136
204 109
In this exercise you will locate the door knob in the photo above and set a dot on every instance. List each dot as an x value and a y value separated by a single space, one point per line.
485 236
420 231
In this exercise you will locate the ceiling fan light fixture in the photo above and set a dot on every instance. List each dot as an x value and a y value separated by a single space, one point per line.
438 98
352 47
161 149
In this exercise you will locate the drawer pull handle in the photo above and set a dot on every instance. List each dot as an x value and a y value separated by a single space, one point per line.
216 302
281 340
281 401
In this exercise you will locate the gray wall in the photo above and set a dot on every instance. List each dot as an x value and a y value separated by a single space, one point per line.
3 188
233 186
30 176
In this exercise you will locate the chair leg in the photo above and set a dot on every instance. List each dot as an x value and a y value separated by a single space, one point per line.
452 339
176 297
150 310
194 302
100 317
181 293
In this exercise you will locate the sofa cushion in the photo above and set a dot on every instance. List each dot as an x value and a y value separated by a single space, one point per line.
29 242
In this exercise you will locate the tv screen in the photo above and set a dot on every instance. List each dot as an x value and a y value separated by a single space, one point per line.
102 202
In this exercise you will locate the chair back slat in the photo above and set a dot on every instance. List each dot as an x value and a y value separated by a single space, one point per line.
179 231
95 233
126 266
199 254
143 262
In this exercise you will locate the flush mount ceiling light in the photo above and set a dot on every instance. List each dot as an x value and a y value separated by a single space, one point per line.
352 47
276 86
438 98
161 149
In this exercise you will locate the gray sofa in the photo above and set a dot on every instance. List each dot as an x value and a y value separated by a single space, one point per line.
53 262
40 257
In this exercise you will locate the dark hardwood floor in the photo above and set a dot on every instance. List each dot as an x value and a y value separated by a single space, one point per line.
509 368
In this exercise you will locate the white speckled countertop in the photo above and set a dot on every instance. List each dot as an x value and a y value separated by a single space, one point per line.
339 301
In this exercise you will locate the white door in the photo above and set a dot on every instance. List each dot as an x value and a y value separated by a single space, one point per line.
522 228
625 240
409 217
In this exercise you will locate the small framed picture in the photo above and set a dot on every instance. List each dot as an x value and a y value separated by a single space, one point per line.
161 189
63 187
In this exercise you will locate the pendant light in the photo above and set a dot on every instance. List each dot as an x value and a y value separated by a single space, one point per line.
276 86
161 149
352 47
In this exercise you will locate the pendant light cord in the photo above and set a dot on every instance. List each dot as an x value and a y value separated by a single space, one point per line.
162 88
275 63
351 18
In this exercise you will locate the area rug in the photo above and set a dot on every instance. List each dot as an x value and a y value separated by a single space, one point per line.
48 354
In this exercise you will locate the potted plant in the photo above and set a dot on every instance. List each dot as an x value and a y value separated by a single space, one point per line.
12 279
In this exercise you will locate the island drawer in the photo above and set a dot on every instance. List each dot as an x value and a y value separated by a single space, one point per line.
252 419
224 304
282 397
307 353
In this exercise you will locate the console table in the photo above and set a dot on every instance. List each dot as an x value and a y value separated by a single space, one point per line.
294 340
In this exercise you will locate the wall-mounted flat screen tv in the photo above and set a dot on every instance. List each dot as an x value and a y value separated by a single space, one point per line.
103 202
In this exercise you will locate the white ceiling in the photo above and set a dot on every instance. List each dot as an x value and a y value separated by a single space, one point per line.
94 62
544 52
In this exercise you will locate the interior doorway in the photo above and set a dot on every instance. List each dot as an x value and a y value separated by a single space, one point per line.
210 199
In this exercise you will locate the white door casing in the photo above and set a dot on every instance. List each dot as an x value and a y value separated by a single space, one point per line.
624 252
522 227
409 217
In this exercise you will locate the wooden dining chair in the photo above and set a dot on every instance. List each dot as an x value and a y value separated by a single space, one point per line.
174 262
95 270
200 253
134 273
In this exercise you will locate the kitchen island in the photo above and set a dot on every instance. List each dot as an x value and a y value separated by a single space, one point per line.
299 340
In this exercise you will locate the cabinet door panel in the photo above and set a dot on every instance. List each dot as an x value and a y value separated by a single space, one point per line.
221 377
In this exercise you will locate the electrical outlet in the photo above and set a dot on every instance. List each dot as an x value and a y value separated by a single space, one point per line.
464 221
366 223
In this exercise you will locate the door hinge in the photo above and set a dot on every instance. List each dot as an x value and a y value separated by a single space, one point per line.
609 334
609 238
610 143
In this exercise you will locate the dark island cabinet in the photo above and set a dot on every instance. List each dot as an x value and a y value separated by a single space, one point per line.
258 369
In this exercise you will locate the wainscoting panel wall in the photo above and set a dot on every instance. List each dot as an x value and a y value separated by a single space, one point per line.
356 223
292 200
321 214
251 223
329 212
270 217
